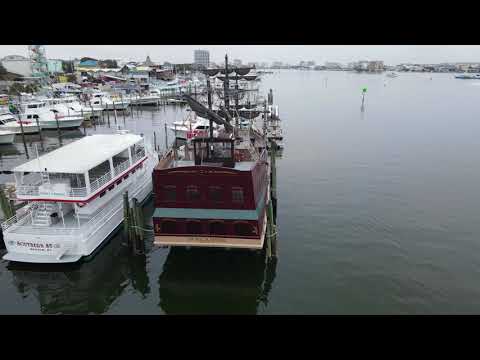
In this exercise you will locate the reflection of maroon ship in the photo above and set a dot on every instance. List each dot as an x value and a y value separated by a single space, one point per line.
213 191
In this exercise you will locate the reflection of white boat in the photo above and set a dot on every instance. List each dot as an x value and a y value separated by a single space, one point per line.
8 122
6 137
75 197
392 75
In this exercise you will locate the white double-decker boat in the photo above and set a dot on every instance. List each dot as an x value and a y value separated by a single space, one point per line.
75 197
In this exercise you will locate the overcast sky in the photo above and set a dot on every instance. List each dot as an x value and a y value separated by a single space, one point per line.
390 54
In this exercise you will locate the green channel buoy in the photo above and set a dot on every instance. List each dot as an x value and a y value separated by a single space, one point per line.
364 89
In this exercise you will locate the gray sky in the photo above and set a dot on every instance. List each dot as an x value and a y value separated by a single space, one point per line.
390 54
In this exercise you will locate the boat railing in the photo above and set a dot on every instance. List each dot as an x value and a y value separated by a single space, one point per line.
90 226
140 154
99 182
80 192
20 217
121 167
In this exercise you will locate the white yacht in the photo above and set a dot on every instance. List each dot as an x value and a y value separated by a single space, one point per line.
191 128
48 117
73 106
151 98
106 101
75 197
6 137
8 122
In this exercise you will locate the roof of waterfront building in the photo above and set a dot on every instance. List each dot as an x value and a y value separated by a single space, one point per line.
82 155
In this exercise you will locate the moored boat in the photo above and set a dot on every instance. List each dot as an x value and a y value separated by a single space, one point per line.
8 122
6 137
213 191
75 197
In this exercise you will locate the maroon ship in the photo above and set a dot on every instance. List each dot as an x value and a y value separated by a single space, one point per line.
213 191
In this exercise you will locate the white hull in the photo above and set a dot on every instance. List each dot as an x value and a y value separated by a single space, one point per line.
45 245
147 100
118 106
7 138
63 124
27 129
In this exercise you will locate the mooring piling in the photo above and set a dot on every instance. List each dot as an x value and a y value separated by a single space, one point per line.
23 135
39 128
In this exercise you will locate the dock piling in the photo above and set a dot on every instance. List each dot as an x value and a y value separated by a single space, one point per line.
58 127
23 135
115 112
39 129
126 220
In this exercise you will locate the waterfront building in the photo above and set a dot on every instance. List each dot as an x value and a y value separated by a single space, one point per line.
17 64
54 66
201 58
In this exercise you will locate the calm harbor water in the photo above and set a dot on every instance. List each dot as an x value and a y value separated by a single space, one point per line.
378 213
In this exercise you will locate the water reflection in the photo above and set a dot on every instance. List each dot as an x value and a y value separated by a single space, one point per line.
84 288
215 281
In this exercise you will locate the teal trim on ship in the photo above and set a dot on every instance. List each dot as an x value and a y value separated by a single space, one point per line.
224 214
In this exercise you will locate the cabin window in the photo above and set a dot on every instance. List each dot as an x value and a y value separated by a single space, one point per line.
32 106
193 193
120 159
215 193
169 227
29 116
217 228
194 227
170 193
244 229
98 172
237 195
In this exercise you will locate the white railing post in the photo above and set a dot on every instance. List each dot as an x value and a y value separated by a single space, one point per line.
87 182
112 170
130 155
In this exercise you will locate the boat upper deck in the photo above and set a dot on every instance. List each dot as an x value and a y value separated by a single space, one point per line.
241 166
82 155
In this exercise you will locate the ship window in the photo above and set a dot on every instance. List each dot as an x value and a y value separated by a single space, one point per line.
194 227
170 193
217 228
29 116
169 227
193 194
215 193
244 229
237 195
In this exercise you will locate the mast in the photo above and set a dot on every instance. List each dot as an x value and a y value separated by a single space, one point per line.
209 97
226 85
236 99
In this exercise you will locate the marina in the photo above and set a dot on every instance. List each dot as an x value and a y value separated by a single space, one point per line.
361 224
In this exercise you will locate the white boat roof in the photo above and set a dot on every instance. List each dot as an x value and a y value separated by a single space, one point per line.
82 155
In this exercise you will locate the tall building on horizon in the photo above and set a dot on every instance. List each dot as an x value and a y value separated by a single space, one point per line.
201 58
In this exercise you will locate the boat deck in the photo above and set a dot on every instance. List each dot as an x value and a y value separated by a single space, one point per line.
241 165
